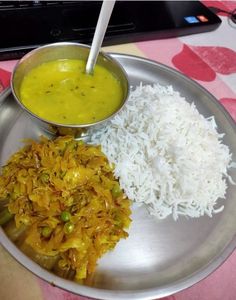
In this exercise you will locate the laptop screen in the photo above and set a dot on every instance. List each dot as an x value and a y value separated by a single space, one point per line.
25 25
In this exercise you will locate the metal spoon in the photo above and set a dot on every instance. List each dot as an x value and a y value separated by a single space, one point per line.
104 17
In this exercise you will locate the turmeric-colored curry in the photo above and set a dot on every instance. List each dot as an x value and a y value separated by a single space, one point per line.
61 92
68 207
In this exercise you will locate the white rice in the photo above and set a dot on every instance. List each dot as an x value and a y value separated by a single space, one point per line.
167 155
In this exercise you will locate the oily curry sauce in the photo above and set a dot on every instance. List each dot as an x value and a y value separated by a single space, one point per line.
61 92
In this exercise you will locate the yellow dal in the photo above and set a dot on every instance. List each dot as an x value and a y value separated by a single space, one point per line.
61 92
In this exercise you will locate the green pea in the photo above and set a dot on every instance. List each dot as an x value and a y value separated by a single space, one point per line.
116 191
65 216
68 227
80 142
46 231
44 177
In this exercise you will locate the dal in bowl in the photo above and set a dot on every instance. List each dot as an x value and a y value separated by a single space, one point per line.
50 83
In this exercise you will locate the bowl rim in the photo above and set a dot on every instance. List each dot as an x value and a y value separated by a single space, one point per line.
55 124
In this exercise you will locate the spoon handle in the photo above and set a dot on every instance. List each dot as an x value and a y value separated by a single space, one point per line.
104 17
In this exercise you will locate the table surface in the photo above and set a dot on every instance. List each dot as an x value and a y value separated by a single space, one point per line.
209 59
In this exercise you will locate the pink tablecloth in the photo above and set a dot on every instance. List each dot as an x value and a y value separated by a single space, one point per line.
210 59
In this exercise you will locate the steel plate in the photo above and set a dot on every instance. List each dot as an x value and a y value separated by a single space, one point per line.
160 257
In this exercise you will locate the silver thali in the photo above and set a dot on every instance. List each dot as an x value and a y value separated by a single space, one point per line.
160 257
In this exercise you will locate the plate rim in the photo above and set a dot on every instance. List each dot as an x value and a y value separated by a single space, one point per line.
144 294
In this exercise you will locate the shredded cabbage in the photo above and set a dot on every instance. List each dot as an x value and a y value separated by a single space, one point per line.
65 192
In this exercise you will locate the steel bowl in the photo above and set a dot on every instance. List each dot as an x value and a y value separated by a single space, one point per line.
65 50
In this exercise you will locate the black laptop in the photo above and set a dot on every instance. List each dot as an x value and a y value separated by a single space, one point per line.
25 25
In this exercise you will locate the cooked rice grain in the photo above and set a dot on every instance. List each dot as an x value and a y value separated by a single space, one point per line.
167 155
